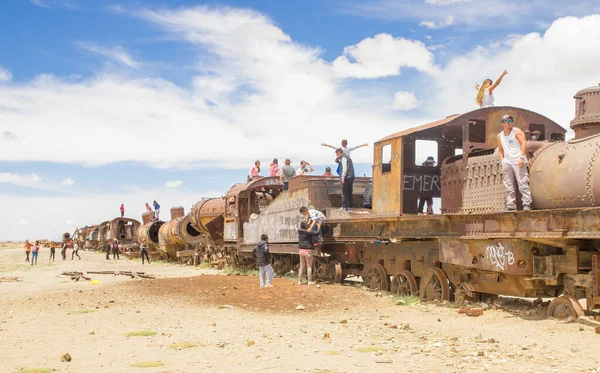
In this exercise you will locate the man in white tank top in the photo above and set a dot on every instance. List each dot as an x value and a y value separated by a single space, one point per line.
512 149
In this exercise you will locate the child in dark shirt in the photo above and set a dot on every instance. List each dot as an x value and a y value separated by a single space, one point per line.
261 251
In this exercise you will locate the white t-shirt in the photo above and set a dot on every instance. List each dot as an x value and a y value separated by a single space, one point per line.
299 171
316 215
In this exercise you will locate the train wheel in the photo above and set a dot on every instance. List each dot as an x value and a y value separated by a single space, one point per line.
404 283
565 307
434 285
376 278
331 271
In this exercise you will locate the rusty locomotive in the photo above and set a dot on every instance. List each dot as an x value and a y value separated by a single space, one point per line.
471 250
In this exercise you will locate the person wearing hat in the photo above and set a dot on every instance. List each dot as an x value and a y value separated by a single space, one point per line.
512 147
425 196
115 248
286 173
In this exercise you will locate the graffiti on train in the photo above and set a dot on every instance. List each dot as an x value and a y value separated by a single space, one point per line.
499 257
421 183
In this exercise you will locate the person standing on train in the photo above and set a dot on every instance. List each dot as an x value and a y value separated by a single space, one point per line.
286 173
122 208
347 150
425 195
485 98
346 178
512 147
156 210
305 250
148 208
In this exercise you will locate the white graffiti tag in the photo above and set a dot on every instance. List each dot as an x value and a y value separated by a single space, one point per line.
499 257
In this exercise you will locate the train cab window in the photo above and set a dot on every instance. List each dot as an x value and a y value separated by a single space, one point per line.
424 149
386 159
458 151
477 130
538 130
557 137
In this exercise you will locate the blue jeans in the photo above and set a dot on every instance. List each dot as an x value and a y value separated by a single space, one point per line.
34 256
265 271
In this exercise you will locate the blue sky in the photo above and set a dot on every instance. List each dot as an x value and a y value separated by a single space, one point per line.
103 102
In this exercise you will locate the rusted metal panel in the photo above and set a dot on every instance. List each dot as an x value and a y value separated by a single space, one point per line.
280 220
387 178
506 256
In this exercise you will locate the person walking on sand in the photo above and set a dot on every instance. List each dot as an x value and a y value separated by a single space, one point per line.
148 208
107 251
63 251
28 246
122 210
144 252
265 270
35 252
305 251
115 249
485 97
52 252
75 251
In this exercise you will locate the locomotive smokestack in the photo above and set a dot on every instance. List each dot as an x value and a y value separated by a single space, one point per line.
587 112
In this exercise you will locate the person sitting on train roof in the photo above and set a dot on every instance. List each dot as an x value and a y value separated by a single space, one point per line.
426 196
347 150
274 168
286 173
305 168
327 172
485 98
512 148
254 172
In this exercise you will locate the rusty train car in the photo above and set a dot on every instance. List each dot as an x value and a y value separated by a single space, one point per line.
471 250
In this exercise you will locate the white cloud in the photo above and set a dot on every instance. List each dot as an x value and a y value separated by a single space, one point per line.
5 75
8 136
383 55
31 180
68 182
405 100
251 80
446 2
541 74
116 54
21 223
40 3
449 21
173 184
480 14
55 215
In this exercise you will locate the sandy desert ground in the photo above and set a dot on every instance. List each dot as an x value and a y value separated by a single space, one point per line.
199 320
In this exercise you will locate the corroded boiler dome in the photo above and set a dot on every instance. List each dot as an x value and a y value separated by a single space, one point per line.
587 112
